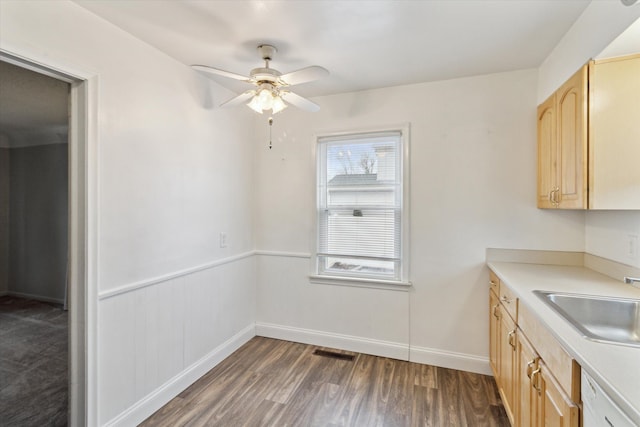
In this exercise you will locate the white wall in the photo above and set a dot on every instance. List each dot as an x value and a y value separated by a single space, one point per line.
607 234
173 173
614 235
38 218
473 180
600 23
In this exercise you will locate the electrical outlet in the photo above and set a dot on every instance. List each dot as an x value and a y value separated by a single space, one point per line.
632 246
223 239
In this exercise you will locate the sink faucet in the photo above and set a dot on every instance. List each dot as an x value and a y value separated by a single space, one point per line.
632 280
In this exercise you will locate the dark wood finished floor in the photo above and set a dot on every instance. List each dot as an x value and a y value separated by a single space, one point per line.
33 363
270 382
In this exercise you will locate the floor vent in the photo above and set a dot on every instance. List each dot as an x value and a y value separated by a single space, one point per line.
334 355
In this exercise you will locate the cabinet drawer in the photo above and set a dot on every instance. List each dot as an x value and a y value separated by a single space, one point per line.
565 370
509 301
494 282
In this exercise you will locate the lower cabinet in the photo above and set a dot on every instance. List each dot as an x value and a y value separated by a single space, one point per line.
530 392
508 363
528 371
494 330
555 408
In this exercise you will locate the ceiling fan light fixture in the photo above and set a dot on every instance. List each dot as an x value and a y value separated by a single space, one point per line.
278 105
267 99
255 105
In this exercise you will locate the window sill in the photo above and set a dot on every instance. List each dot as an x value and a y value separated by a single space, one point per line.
360 282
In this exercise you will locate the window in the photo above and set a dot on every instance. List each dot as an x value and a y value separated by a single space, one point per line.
360 200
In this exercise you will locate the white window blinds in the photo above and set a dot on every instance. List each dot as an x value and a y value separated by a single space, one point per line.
360 205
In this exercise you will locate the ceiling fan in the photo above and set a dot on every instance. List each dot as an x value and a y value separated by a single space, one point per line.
271 87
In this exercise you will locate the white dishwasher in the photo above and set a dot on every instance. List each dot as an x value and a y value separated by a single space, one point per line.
598 408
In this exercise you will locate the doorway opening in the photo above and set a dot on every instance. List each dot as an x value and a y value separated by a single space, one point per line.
45 251
34 180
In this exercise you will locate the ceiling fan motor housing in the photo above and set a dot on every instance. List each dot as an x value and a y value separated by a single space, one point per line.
272 89
267 51
265 75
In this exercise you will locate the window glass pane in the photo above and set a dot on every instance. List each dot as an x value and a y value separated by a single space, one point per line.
362 173
359 204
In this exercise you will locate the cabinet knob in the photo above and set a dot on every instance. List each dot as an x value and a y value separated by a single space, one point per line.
510 339
554 196
530 367
535 380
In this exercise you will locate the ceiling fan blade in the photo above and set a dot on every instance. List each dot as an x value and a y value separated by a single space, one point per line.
238 99
304 75
300 102
219 72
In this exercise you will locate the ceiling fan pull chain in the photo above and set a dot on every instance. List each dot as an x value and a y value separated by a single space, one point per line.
270 126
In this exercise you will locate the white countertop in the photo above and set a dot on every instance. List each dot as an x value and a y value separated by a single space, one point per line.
615 367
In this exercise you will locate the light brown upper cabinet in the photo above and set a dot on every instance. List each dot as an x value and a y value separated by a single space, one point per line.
562 145
614 133
589 139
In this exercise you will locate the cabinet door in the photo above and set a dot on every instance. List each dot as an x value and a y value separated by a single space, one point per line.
528 405
556 408
547 153
571 118
614 133
507 362
494 337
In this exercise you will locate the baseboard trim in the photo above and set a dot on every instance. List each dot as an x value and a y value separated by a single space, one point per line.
451 360
394 350
390 349
142 409
35 297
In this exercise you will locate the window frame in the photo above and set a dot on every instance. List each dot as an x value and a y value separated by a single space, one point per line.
401 281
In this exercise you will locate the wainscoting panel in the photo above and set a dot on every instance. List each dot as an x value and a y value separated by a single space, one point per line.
221 302
156 340
159 339
363 319
116 355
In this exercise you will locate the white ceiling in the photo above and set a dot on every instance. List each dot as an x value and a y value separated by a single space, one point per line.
363 43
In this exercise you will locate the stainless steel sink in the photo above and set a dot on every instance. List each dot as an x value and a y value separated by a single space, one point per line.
611 320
